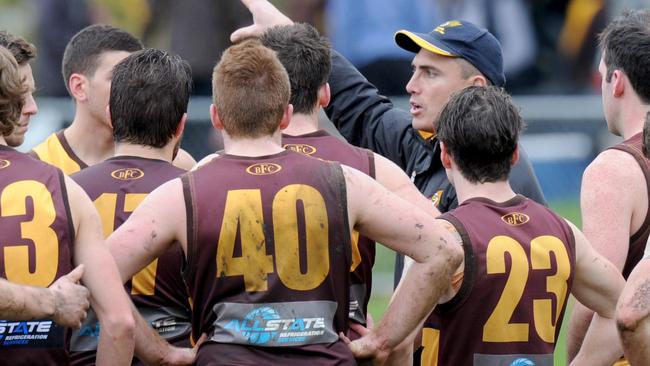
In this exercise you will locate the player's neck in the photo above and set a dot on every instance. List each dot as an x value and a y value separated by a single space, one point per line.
252 147
302 124
633 119
496 191
126 149
90 140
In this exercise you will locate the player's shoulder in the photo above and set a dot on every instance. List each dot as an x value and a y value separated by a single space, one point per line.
612 165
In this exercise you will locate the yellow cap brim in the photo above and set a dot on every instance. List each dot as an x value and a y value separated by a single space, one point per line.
419 42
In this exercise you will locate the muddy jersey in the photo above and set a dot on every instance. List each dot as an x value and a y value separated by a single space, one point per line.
37 238
269 255
519 263
116 187
322 145
56 151
638 240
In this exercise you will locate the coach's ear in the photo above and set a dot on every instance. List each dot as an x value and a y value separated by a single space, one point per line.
108 116
214 117
286 116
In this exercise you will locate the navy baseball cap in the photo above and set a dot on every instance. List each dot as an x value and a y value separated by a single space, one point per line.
457 38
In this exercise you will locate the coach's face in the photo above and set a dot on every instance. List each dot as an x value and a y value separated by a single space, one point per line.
434 79
17 137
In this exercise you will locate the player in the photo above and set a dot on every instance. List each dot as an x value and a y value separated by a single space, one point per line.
521 259
615 219
49 226
149 94
23 52
87 69
306 57
266 233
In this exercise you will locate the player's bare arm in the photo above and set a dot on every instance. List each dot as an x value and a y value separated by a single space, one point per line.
379 214
597 284
265 16
108 298
65 301
632 313
607 220
395 180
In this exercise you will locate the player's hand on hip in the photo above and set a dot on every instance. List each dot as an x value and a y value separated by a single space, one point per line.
265 16
71 300
365 350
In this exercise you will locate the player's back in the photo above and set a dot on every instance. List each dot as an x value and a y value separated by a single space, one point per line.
638 240
117 186
37 241
268 260
322 145
56 150
519 263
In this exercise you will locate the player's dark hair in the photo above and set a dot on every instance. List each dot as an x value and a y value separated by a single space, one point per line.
12 92
150 91
646 136
306 57
22 50
625 43
82 53
480 128
250 89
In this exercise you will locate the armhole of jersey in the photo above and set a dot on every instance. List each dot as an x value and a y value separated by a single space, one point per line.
33 154
188 271
68 212
337 172
371 164
468 273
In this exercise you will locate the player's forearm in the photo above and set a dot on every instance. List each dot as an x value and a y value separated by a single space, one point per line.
150 347
578 325
116 339
19 302
601 344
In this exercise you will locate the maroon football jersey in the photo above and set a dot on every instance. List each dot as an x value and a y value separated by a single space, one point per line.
322 145
519 263
638 240
117 186
269 255
37 241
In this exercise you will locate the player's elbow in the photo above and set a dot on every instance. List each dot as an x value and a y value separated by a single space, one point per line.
119 326
627 319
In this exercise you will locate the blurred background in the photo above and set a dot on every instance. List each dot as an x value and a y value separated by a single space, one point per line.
550 55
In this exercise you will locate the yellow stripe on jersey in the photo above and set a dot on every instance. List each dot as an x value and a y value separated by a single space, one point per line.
54 153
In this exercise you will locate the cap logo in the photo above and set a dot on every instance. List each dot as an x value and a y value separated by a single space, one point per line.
4 163
301 148
127 174
263 169
436 198
515 218
450 24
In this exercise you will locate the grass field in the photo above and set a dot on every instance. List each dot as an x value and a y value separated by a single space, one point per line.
384 265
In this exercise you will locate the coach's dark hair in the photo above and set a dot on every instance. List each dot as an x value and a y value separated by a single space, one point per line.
22 50
480 128
150 91
84 49
625 43
12 92
306 57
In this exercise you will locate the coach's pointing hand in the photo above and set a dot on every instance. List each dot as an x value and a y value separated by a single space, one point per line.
265 16
71 300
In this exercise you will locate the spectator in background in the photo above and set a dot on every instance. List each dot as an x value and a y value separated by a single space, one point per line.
363 32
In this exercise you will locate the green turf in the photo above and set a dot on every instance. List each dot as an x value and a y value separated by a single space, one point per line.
384 266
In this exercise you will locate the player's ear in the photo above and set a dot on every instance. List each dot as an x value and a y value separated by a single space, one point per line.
286 116
515 156
214 117
77 87
618 83
108 116
181 126
324 95
445 158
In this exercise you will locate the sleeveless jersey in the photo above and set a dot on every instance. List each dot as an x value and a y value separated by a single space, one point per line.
269 255
56 151
519 262
322 145
37 241
638 240
117 186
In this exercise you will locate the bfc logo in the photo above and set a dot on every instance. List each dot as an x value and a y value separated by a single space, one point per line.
263 325
4 163
127 174
301 148
263 169
522 362
515 218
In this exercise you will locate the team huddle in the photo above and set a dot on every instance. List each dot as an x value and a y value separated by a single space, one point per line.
118 248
